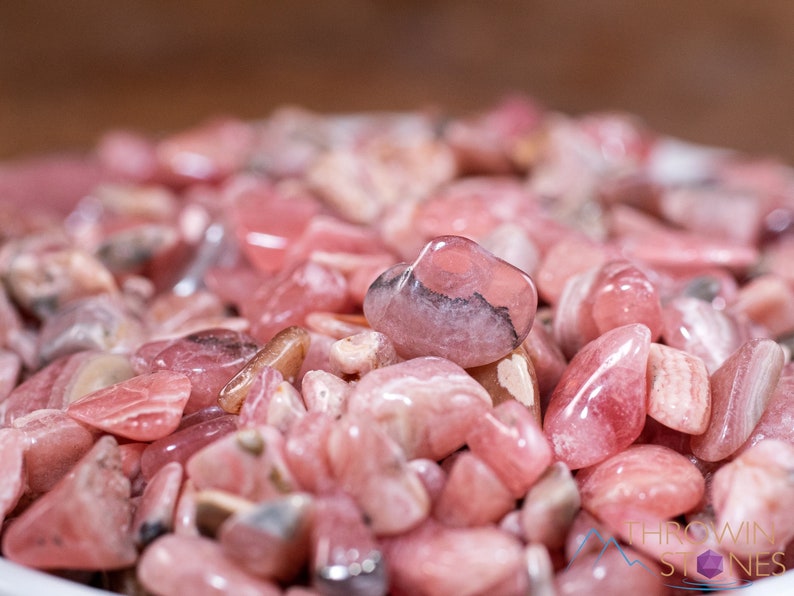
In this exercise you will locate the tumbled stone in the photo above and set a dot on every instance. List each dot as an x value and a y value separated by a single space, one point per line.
131 454
679 395
270 540
82 523
767 300
644 481
154 515
510 441
473 495
755 489
456 301
372 468
336 325
550 507
306 453
56 442
437 404
740 391
437 560
599 405
325 392
345 557
285 352
431 474
358 354
13 444
209 358
777 421
568 257
10 367
143 408
547 358
183 443
253 411
249 463
177 564
540 570
511 378
208 509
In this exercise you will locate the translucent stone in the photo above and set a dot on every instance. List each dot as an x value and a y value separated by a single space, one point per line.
360 353
642 482
550 507
511 378
84 522
598 407
209 358
372 468
427 405
143 408
288 297
473 494
740 391
696 327
679 394
183 443
754 489
177 564
55 443
249 463
306 453
154 515
456 301
272 539
325 392
345 557
13 444
777 421
511 442
285 352
437 560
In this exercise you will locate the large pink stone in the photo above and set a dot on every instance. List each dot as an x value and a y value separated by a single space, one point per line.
599 405
82 523
427 405
436 561
144 408
178 564
512 443
456 300
740 391
372 468
642 482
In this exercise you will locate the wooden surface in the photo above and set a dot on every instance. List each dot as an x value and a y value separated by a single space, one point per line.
717 71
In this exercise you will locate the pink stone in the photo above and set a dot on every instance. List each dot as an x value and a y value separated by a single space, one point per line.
13 444
777 421
154 515
131 455
598 407
257 401
182 444
169 315
325 392
177 564
82 523
56 442
306 453
272 539
696 327
360 353
740 391
456 300
209 358
550 507
427 405
144 408
642 482
436 560
337 326
289 297
285 408
510 441
248 463
345 557
568 257
754 489
431 474
547 358
372 468
767 300
511 243
679 395
473 495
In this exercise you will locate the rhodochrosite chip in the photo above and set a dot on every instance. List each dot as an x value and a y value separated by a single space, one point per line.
598 407
82 523
456 300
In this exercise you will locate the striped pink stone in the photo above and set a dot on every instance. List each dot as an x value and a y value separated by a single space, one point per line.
145 408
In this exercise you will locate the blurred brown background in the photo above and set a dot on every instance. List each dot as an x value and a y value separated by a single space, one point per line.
716 71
